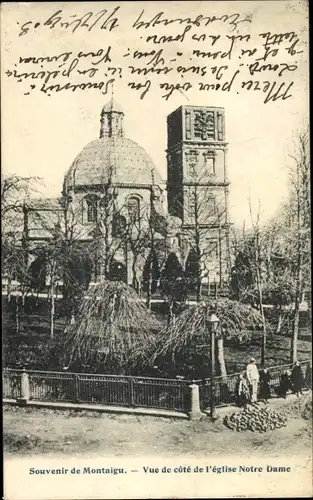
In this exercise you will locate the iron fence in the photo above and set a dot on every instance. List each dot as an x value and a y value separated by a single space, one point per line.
165 394
51 386
128 391
11 383
113 390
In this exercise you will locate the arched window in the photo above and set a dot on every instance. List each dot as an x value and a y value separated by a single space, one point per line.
91 208
133 207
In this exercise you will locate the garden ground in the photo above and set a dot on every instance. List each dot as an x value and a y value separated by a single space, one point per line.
29 431
236 355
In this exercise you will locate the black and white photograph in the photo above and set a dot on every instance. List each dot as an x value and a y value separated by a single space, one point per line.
156 250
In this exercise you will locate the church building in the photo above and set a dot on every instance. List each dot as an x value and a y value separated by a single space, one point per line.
115 204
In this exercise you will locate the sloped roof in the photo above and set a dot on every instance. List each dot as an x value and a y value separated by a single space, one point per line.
44 204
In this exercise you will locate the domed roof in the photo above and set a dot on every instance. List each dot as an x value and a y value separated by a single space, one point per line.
112 106
128 162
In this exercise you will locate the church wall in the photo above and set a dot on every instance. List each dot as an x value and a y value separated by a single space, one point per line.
123 193
175 194
206 205
202 163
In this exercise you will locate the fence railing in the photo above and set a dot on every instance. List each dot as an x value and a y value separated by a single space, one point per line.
113 390
225 387
128 391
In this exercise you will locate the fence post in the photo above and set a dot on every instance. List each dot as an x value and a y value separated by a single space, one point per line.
130 392
25 392
195 412
76 388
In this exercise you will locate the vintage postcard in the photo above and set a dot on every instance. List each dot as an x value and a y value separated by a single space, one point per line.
156 291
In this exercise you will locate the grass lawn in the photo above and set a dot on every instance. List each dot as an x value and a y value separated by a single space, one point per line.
236 355
277 351
29 431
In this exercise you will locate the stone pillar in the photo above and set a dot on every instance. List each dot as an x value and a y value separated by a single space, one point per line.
195 412
25 393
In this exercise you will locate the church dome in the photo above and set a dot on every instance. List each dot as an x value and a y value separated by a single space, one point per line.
117 159
112 106
112 158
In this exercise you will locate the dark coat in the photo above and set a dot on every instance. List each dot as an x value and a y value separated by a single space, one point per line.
308 376
285 385
265 389
297 378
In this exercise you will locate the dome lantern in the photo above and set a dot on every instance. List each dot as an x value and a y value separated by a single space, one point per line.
112 120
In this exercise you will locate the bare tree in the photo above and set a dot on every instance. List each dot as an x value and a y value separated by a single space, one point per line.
115 229
298 230
277 256
257 265
205 219
278 286
15 192
250 269
59 249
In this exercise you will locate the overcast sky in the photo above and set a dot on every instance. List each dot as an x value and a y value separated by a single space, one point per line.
42 135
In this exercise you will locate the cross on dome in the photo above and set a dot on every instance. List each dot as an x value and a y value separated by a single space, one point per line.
112 106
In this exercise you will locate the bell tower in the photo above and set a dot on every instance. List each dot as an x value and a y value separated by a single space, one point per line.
197 182
112 120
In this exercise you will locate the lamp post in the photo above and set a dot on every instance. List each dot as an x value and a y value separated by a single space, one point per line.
213 322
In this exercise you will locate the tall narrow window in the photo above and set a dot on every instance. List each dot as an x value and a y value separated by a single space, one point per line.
212 248
133 207
209 162
91 210
193 199
211 206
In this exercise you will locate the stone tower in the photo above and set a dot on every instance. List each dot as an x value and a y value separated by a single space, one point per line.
197 183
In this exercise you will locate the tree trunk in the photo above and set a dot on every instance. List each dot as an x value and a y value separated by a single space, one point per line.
9 291
295 333
298 277
52 302
149 291
264 332
17 315
296 321
260 300
170 315
264 337
52 312
135 281
221 366
198 289
280 321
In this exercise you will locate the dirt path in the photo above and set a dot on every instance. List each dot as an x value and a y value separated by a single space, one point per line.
31 432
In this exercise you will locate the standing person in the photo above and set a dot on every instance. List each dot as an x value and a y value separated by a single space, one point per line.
284 385
297 378
253 379
242 391
265 390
